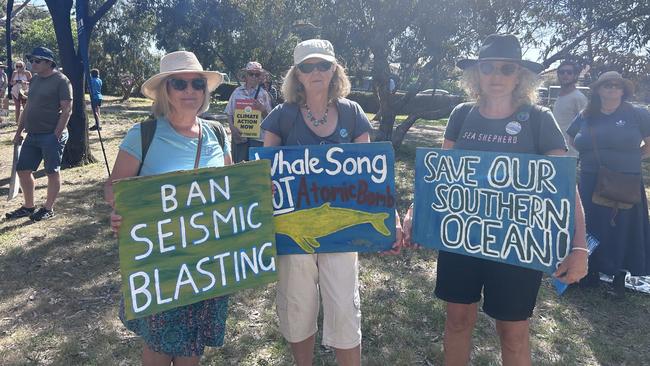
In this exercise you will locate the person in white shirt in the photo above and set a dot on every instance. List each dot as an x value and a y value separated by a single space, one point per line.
570 101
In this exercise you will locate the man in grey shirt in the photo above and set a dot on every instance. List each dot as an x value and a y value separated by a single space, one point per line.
45 119
570 101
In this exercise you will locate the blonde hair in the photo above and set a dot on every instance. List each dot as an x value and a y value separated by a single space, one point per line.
19 62
525 93
294 92
162 107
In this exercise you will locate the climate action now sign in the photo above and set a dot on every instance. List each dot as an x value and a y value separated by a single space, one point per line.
193 235
515 208
332 198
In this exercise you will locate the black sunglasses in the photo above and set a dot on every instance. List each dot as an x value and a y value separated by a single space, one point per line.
36 60
488 68
180 84
612 86
255 74
321 66
563 72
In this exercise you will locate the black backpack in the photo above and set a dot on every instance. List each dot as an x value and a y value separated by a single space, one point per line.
535 118
148 130
289 114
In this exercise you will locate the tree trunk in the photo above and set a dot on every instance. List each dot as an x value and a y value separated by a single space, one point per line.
400 132
77 150
10 64
381 74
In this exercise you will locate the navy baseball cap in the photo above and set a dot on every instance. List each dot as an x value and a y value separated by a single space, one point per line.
43 53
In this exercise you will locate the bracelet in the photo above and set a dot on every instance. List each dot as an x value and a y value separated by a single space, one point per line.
580 249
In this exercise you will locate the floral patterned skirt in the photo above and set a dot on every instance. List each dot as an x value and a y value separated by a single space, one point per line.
183 331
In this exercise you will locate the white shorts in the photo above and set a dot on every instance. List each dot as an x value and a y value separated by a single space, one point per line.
336 275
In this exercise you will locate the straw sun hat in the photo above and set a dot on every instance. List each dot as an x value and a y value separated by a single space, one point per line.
176 63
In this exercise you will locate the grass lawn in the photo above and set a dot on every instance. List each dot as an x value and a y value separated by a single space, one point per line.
60 289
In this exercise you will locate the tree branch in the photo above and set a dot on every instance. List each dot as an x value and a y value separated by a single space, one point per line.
92 20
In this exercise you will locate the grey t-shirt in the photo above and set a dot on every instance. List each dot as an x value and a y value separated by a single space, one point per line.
300 134
514 134
43 107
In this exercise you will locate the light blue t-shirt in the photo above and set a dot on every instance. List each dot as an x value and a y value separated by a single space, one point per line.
96 88
170 151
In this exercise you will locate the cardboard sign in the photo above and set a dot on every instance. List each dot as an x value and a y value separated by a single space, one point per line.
247 118
515 208
332 198
193 235
14 185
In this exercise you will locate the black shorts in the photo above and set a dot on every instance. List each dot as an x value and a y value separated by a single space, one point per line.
509 292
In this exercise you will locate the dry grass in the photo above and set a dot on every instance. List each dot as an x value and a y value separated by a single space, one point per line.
59 290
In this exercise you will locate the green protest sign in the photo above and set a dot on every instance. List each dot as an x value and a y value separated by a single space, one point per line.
192 235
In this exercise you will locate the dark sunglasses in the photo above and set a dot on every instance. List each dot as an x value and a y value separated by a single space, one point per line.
19 66
255 74
488 68
612 86
36 60
321 66
565 72
180 84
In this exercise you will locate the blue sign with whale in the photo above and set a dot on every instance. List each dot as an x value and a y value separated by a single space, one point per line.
332 198
515 208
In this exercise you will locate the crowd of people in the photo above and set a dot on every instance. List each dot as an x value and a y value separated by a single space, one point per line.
605 131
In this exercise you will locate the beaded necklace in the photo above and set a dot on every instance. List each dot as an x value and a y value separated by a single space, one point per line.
316 122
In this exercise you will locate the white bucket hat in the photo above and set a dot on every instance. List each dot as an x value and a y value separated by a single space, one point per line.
176 63
318 48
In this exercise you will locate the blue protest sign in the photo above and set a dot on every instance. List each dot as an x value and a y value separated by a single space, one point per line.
515 208
332 198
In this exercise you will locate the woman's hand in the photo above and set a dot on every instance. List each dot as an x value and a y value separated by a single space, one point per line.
573 268
116 222
408 228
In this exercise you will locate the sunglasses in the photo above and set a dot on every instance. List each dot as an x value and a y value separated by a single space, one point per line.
36 60
321 66
488 68
180 84
565 72
19 67
613 86
254 74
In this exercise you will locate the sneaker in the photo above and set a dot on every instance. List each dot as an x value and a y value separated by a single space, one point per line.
20 212
95 128
42 214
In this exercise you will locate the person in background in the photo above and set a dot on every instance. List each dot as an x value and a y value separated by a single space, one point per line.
20 86
95 94
570 101
45 119
503 85
271 89
610 133
252 89
180 93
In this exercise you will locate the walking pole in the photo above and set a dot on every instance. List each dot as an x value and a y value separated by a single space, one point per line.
99 130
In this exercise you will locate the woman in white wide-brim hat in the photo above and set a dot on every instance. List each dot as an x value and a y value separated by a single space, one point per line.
181 141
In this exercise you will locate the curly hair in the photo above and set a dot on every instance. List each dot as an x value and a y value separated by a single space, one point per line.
294 92
525 93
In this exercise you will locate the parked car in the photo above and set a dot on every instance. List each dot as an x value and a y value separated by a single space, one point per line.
431 91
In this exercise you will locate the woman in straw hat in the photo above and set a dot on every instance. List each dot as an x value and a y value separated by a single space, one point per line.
503 85
609 133
316 112
180 91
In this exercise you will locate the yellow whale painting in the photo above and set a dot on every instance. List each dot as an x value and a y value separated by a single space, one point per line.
305 226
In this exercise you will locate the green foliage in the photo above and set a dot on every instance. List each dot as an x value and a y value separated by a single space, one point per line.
39 33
